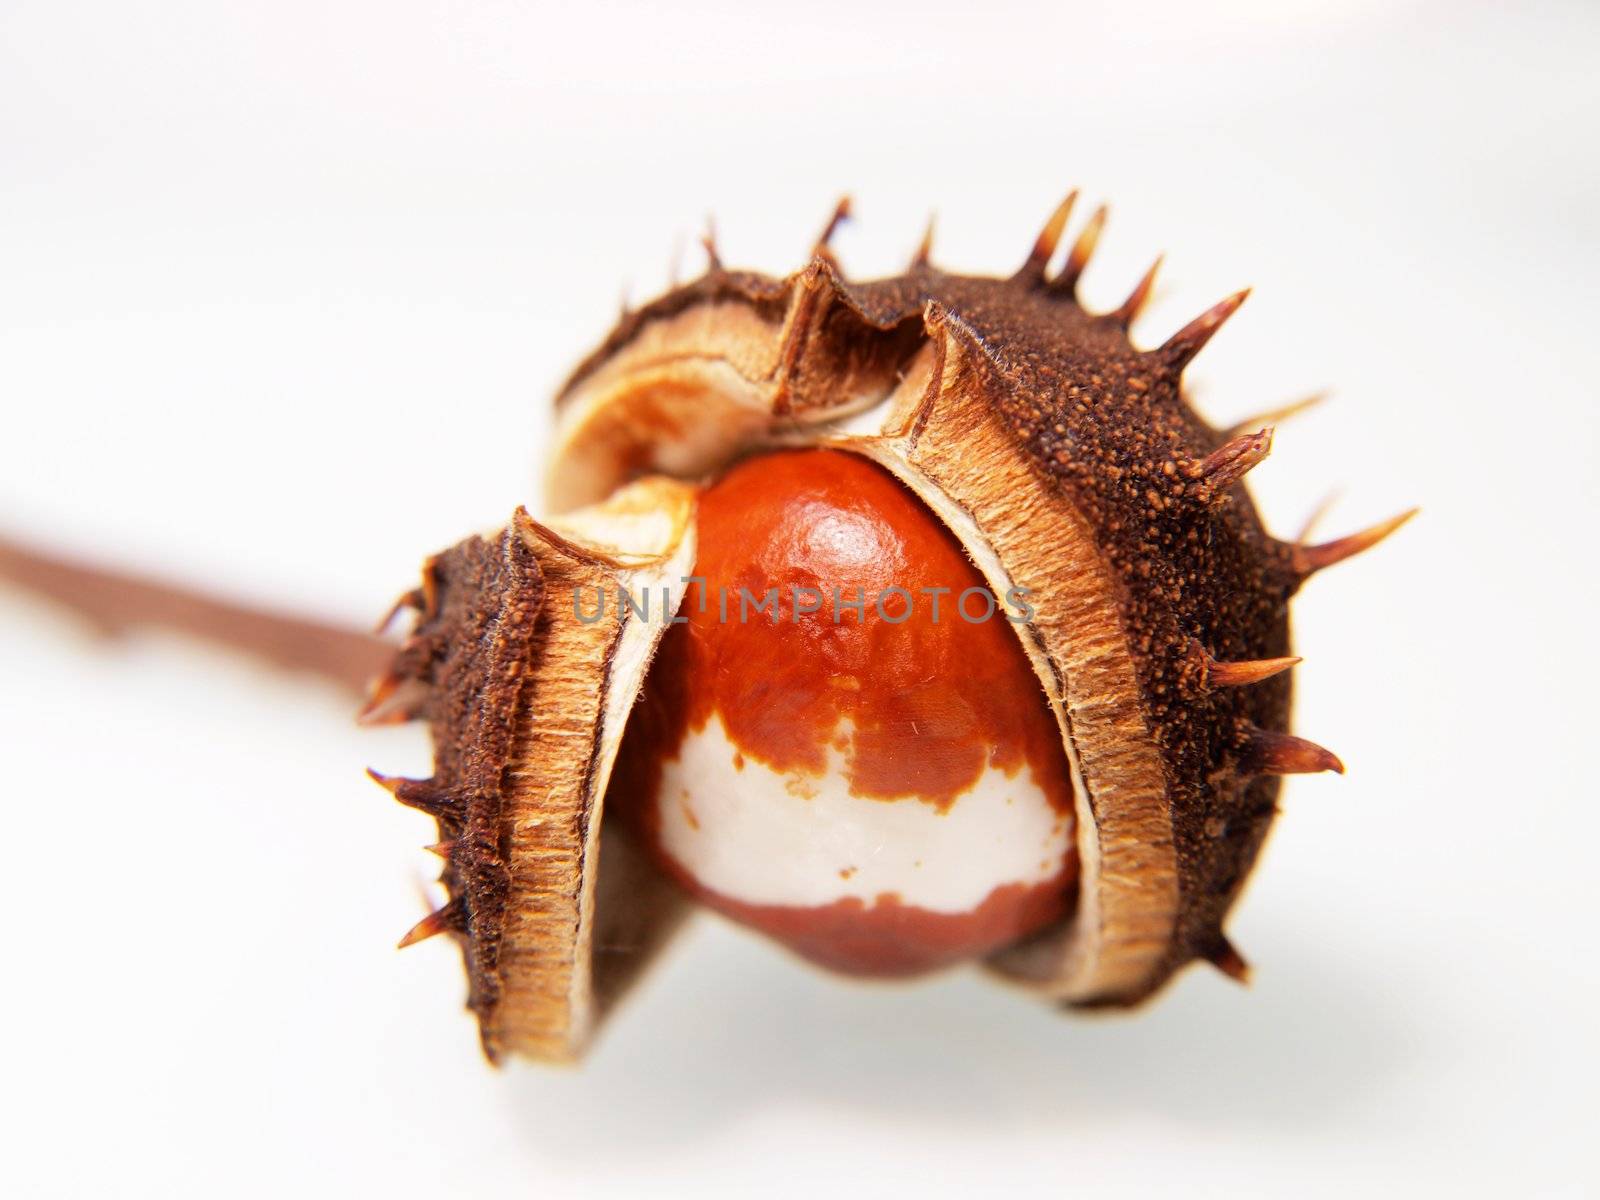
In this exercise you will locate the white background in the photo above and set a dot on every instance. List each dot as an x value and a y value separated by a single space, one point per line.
284 289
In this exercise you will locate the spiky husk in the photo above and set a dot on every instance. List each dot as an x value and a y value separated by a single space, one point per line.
1069 463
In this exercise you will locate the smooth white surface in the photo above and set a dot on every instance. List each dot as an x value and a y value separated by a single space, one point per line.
283 289
794 837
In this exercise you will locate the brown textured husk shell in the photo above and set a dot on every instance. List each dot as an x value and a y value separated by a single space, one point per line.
1067 462
527 701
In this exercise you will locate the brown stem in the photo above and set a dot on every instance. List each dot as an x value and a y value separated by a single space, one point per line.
115 603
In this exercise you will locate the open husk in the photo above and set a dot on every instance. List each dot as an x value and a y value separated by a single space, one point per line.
1070 467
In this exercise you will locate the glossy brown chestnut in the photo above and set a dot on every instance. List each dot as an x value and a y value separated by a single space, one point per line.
844 746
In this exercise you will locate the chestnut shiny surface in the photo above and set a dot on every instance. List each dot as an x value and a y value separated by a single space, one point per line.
910 701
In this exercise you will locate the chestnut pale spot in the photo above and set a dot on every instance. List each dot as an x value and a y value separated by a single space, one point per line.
761 840
830 753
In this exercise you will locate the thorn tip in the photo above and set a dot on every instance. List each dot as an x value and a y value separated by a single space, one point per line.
1229 463
1082 251
389 783
421 794
708 239
1268 752
413 599
924 253
1310 559
841 214
1241 673
1181 347
1228 960
1044 246
450 918
1128 312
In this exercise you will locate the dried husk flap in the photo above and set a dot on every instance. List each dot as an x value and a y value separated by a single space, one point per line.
525 664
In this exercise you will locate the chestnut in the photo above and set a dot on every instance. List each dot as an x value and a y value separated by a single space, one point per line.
844 745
